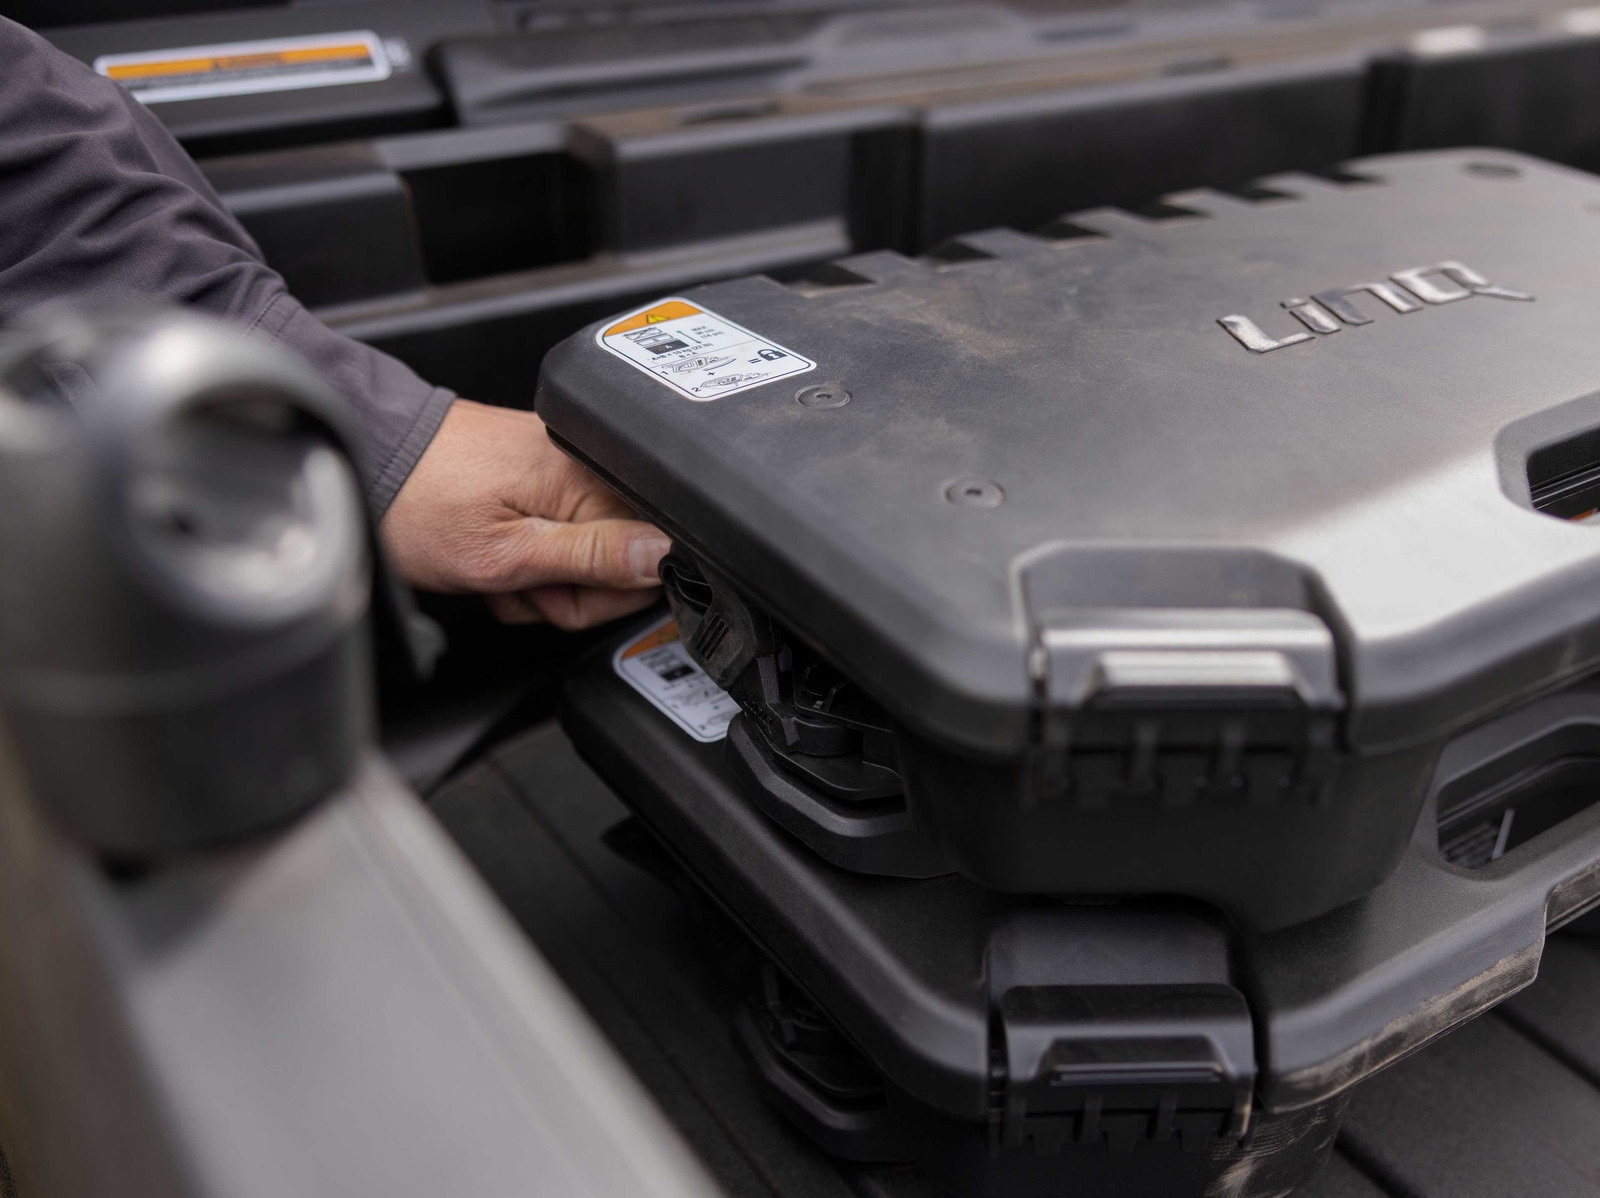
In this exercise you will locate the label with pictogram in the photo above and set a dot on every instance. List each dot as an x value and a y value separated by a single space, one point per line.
657 665
697 353
247 68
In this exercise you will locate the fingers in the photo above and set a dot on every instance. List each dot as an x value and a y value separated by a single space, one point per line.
596 501
542 478
514 608
576 608
569 608
493 507
533 552
576 576
570 491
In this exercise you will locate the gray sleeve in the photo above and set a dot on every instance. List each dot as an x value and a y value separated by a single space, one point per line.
97 199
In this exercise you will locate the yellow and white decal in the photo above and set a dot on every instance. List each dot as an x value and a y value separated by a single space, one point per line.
245 68
698 353
658 666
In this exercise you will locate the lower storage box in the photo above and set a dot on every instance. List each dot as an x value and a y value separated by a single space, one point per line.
1015 1046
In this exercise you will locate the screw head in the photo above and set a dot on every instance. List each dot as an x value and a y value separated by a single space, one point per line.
975 493
822 395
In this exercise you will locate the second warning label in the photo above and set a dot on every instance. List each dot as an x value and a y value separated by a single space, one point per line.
698 353
657 664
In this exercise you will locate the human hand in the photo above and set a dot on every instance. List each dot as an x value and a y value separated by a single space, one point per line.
494 508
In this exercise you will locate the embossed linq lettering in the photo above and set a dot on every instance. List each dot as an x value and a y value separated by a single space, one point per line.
1439 283
1338 302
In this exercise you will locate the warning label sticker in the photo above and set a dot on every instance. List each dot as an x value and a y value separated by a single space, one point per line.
658 666
698 353
245 68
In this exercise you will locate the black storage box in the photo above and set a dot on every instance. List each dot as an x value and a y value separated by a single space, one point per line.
1015 1045
1144 554
1021 1046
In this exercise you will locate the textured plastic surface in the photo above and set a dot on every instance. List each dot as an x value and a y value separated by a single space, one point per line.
1482 1113
914 971
1197 523
1012 1047
1091 381
742 136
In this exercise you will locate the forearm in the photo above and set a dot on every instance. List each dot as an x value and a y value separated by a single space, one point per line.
96 199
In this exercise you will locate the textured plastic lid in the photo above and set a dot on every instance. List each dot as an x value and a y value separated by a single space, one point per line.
1150 455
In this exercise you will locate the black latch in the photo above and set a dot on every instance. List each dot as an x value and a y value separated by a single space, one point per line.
1130 1065
1183 705
813 718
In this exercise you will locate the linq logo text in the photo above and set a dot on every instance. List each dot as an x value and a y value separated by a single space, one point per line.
1404 291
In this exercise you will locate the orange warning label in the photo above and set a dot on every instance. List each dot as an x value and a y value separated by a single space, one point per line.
241 68
668 310
696 352
665 634
657 665
218 64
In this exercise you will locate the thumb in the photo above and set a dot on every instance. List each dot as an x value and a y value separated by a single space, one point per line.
620 554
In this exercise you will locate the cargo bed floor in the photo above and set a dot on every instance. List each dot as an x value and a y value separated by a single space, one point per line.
1507 1106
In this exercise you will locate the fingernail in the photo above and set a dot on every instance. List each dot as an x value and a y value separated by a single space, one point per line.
645 554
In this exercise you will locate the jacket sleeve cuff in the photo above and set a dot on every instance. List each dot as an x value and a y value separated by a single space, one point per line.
398 412
392 474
